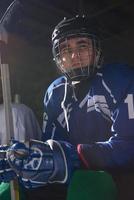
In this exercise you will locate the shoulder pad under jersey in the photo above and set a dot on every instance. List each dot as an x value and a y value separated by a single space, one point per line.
55 85
117 78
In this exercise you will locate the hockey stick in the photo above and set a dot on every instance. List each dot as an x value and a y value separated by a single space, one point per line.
6 90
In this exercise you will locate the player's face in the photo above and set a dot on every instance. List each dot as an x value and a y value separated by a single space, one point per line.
76 53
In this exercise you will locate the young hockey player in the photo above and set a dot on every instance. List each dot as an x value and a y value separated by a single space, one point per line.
89 113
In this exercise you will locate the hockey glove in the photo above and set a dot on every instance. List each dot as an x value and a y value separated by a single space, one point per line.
6 173
39 163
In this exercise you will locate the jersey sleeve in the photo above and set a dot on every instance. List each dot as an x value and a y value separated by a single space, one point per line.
118 152
51 127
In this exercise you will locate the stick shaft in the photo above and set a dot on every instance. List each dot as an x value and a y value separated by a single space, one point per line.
7 101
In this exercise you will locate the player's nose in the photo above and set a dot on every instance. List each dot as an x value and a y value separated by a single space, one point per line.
75 54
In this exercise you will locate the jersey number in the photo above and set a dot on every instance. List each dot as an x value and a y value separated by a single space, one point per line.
130 101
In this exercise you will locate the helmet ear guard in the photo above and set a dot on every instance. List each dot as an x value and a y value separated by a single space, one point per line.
77 27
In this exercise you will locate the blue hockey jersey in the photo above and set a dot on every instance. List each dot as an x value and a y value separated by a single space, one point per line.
98 114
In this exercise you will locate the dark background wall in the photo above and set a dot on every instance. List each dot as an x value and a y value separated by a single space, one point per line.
29 48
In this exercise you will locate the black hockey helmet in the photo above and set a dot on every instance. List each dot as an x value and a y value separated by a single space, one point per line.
79 26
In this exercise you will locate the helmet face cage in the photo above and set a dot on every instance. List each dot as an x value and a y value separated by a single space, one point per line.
81 72
72 29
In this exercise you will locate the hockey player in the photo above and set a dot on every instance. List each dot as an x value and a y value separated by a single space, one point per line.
89 113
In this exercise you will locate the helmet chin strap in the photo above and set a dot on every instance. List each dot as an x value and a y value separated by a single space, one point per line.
80 74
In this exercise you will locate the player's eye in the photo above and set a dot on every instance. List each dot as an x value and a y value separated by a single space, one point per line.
64 50
83 47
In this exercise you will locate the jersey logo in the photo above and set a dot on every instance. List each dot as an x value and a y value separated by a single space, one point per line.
98 103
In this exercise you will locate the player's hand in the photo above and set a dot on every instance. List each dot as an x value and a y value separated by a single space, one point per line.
39 163
6 173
